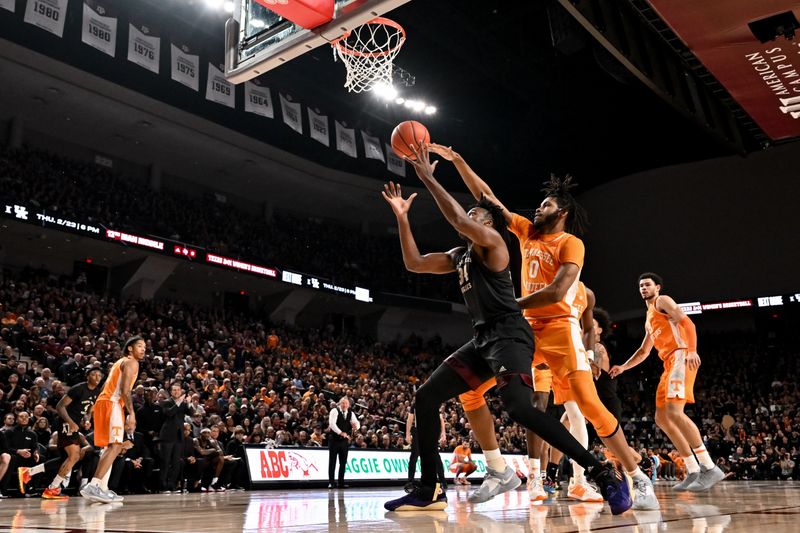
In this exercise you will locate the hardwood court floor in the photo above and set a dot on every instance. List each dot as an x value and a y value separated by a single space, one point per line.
732 507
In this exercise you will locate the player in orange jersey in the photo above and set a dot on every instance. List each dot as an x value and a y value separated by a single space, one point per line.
109 422
674 336
552 259
462 464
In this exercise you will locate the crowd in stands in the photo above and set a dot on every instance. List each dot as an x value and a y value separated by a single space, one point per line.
94 194
272 385
246 381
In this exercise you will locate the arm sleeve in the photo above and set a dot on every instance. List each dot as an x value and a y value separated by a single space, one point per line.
520 226
572 252
334 414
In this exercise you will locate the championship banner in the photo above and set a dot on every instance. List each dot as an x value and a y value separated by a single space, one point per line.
8 5
320 130
47 14
372 147
291 114
144 46
311 464
185 66
764 78
394 164
218 89
346 140
99 27
257 99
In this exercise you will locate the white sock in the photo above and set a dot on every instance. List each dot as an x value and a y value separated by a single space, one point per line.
96 481
637 474
56 482
703 457
692 465
38 469
494 459
104 481
536 467
214 481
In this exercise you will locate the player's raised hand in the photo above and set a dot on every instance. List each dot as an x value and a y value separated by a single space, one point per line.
394 197
445 152
422 163
693 361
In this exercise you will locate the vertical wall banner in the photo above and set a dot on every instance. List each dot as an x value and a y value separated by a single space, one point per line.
8 4
320 129
257 99
47 14
144 46
372 147
394 164
291 114
218 89
99 26
346 140
185 66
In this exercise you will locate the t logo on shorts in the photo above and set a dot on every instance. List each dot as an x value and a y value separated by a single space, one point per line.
116 430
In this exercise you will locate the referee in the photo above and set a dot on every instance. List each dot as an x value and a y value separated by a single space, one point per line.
342 422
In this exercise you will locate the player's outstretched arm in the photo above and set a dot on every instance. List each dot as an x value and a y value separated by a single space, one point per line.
555 291
436 263
479 234
637 357
474 183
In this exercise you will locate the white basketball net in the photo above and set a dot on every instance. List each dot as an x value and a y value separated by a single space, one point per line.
367 53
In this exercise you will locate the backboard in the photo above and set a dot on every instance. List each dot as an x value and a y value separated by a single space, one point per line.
258 40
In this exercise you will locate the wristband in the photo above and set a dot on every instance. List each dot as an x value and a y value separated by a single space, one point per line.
590 355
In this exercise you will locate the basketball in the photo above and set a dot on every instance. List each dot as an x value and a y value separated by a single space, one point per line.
407 135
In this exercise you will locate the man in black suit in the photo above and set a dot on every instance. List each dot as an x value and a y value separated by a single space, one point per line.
136 465
22 446
174 409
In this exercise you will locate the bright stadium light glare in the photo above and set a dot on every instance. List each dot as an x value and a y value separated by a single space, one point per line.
419 106
228 7
430 110
409 103
400 100
385 91
214 4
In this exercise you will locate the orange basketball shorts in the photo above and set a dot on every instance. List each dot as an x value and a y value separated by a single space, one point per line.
109 423
677 381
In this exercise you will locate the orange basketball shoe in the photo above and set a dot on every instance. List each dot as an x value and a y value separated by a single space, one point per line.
54 494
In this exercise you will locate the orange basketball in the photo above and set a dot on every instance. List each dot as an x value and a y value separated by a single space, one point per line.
407 135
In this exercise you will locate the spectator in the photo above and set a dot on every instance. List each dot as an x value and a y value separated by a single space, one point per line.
170 437
22 446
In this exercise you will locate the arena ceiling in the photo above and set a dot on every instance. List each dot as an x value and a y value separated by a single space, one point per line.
517 106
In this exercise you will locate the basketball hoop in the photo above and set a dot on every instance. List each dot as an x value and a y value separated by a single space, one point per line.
367 53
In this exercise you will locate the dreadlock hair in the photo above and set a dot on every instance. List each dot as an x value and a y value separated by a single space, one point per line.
496 214
604 321
577 217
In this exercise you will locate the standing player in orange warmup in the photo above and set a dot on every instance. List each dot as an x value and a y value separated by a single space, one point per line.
552 259
109 422
674 336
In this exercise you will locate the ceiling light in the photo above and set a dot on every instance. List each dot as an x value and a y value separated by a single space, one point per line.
410 103
418 106
399 101
430 110
214 4
228 7
385 91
